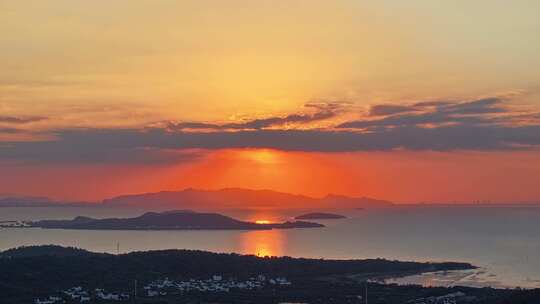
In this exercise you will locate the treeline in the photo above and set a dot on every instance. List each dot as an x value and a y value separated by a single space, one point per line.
31 272
44 250
40 269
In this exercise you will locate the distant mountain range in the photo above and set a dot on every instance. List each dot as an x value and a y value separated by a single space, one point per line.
170 220
229 198
234 198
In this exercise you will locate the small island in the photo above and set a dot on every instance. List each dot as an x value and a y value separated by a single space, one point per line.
170 220
319 216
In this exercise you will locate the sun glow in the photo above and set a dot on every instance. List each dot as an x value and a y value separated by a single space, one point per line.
311 174
262 156
262 222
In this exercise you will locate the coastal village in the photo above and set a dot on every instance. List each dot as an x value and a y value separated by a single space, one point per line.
80 295
13 224
163 288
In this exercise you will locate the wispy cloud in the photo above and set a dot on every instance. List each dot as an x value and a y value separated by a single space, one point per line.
324 111
467 113
10 130
390 109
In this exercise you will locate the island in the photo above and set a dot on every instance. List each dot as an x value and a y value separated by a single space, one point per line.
169 220
319 216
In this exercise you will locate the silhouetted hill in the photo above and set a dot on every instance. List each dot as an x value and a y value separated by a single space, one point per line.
239 198
37 276
35 272
170 220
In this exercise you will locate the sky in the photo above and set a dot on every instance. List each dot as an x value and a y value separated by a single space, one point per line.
411 101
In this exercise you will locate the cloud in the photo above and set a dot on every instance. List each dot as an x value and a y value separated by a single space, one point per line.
480 106
96 146
10 131
160 145
20 120
434 103
444 112
413 120
193 125
481 125
323 111
389 109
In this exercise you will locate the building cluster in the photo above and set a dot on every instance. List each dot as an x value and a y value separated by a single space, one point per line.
214 284
103 295
451 298
49 300
165 287
13 224
79 294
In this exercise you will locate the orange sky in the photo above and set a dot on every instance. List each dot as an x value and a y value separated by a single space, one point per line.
408 101
130 63
401 177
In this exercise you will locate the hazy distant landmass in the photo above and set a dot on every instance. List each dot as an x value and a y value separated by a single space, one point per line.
10 200
13 200
170 220
319 216
232 198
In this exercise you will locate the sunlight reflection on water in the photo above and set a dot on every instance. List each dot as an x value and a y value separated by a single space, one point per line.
263 243
504 242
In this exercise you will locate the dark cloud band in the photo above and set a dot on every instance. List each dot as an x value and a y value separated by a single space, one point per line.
484 125
131 145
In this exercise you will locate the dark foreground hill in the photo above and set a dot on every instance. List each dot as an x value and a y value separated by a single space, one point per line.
170 220
44 251
29 273
35 271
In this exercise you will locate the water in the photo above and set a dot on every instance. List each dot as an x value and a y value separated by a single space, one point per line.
503 241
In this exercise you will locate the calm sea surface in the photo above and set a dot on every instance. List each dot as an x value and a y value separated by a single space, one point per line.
503 241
